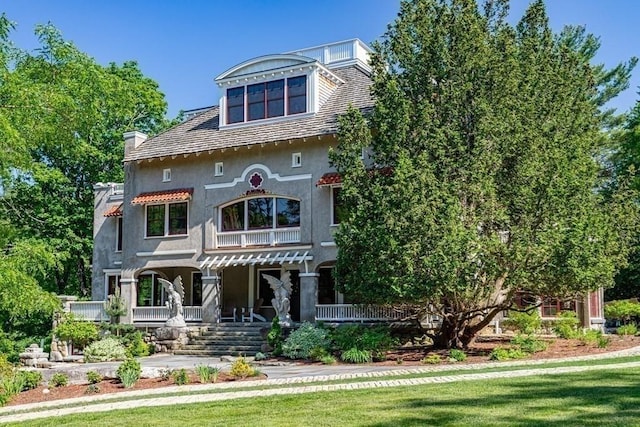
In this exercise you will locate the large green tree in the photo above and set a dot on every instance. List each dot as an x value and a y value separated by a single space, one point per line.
66 115
483 176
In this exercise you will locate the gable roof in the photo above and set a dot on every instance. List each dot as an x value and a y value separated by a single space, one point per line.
202 133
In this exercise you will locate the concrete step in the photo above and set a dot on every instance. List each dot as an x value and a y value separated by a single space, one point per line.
238 334
236 347
218 352
226 340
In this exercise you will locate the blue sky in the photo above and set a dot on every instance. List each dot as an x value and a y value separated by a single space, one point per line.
183 45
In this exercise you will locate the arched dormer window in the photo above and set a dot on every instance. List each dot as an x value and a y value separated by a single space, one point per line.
260 220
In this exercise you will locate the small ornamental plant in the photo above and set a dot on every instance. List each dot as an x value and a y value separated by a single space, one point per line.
129 372
59 379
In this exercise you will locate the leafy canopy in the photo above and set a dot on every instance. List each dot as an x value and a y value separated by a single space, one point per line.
483 175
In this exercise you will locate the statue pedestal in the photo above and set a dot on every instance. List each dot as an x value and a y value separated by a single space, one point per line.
175 322
170 338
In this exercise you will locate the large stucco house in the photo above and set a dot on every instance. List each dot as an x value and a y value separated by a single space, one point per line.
238 190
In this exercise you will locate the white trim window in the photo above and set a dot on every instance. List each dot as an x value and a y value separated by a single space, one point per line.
167 219
111 282
219 169
166 175
257 213
296 160
275 98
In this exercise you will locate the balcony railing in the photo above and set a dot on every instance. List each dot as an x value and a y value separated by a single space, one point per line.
89 310
161 313
269 237
359 313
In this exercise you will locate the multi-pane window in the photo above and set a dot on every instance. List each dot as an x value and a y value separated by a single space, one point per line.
265 100
337 208
167 219
235 105
261 212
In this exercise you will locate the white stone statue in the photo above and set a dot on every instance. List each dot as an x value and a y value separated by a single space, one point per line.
282 292
175 296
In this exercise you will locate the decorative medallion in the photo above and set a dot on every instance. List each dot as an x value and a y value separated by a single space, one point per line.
256 180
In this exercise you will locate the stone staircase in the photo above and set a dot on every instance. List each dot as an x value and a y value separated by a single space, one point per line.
226 339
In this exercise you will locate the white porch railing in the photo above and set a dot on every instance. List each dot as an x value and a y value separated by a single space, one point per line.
359 313
89 310
272 237
161 313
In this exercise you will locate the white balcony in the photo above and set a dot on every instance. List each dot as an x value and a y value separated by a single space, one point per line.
161 313
359 313
268 237
89 310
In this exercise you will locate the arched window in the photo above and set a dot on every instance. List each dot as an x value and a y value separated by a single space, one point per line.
260 213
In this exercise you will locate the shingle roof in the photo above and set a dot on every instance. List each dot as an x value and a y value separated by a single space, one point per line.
162 196
201 133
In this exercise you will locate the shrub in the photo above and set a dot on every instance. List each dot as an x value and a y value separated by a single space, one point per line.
94 377
528 343
432 359
527 322
274 337
318 353
304 339
328 360
180 377
240 368
374 339
501 353
106 349
129 372
260 356
6 368
79 332
12 384
135 345
165 374
590 336
629 329
207 373
457 355
32 379
59 379
566 326
355 355
622 310
92 389
603 342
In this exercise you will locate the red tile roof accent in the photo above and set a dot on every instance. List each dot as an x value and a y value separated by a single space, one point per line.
115 210
330 178
163 196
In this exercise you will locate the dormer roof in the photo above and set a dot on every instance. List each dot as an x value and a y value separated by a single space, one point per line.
264 63
202 133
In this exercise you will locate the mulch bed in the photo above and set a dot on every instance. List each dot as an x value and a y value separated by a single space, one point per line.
406 356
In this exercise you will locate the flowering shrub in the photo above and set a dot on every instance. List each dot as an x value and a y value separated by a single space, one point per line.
105 350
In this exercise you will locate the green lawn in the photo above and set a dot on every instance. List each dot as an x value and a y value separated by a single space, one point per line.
598 398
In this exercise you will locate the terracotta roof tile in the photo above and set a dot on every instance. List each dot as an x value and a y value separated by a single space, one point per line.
330 178
202 133
115 210
162 196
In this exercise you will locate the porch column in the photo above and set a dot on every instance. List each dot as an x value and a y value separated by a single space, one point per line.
308 296
128 295
211 298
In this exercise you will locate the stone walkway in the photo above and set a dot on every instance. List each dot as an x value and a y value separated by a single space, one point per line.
295 376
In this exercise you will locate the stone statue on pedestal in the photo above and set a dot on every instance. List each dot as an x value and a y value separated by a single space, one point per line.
282 292
175 296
